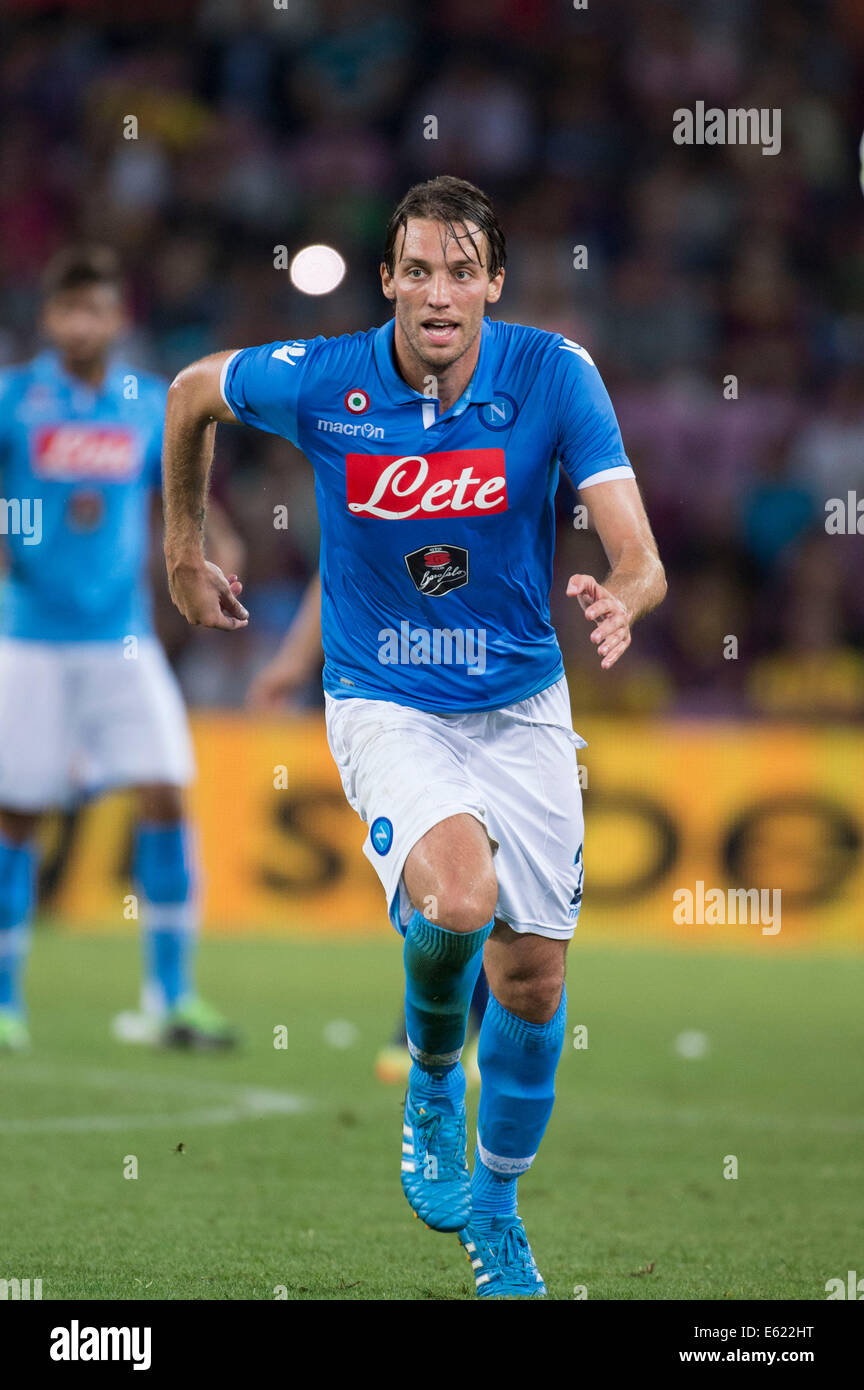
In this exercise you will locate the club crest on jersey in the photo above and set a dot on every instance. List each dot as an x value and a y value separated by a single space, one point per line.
436 569
381 834
500 413
357 401
453 483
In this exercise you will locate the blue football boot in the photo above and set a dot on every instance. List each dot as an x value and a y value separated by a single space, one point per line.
435 1176
500 1256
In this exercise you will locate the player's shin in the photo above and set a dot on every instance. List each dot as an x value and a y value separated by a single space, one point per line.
518 1061
17 895
441 969
162 868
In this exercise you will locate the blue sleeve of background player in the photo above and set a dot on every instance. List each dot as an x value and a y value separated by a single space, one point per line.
153 464
262 384
588 439
6 393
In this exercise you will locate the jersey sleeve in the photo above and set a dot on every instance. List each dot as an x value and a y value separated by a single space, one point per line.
587 437
153 462
262 385
6 394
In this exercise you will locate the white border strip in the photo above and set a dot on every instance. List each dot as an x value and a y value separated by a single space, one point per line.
224 372
607 475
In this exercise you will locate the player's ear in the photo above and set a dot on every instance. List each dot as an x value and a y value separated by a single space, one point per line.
496 285
387 285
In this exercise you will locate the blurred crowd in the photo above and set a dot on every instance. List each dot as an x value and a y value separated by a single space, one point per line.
721 291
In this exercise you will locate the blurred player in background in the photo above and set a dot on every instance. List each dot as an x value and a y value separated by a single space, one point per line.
297 660
88 701
455 743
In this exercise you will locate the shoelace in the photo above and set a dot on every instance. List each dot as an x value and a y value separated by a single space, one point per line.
429 1127
513 1248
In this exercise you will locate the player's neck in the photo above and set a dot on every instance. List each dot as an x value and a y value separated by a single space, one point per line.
90 374
450 382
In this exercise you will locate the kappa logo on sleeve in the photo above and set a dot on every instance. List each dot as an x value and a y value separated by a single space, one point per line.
67 452
455 483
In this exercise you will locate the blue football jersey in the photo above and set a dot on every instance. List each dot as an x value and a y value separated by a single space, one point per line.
77 468
437 529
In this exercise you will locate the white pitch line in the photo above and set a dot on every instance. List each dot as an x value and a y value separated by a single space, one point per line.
239 1102
103 1078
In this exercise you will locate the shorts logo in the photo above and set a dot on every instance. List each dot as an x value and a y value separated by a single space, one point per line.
381 834
500 413
357 401
576 900
455 483
436 569
66 452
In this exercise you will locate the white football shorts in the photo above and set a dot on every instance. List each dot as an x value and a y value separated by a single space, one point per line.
80 717
514 769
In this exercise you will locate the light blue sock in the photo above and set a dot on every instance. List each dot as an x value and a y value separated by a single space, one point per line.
517 1063
445 1093
17 897
162 869
441 969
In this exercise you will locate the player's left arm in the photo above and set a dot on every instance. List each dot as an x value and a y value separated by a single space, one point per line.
636 581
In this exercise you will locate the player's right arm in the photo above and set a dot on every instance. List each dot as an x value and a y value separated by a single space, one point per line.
195 406
258 386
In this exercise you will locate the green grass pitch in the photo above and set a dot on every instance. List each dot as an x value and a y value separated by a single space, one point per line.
288 1177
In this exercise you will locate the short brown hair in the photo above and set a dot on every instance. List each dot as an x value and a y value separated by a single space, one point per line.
447 199
79 267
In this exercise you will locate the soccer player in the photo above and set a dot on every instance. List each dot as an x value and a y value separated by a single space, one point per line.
436 441
87 699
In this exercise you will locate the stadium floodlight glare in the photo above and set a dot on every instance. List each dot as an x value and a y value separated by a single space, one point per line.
317 270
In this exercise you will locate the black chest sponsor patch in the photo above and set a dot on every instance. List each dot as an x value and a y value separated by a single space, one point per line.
436 569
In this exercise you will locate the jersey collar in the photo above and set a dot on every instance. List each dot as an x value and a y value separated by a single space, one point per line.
479 390
49 367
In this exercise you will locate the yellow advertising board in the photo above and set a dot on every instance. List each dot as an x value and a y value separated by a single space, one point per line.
672 809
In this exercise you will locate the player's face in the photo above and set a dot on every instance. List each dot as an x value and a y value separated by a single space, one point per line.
440 289
83 324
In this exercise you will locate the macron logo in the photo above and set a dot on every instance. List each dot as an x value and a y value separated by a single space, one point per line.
366 430
76 1343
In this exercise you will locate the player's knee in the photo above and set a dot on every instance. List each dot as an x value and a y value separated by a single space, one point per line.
18 827
161 803
534 997
464 904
